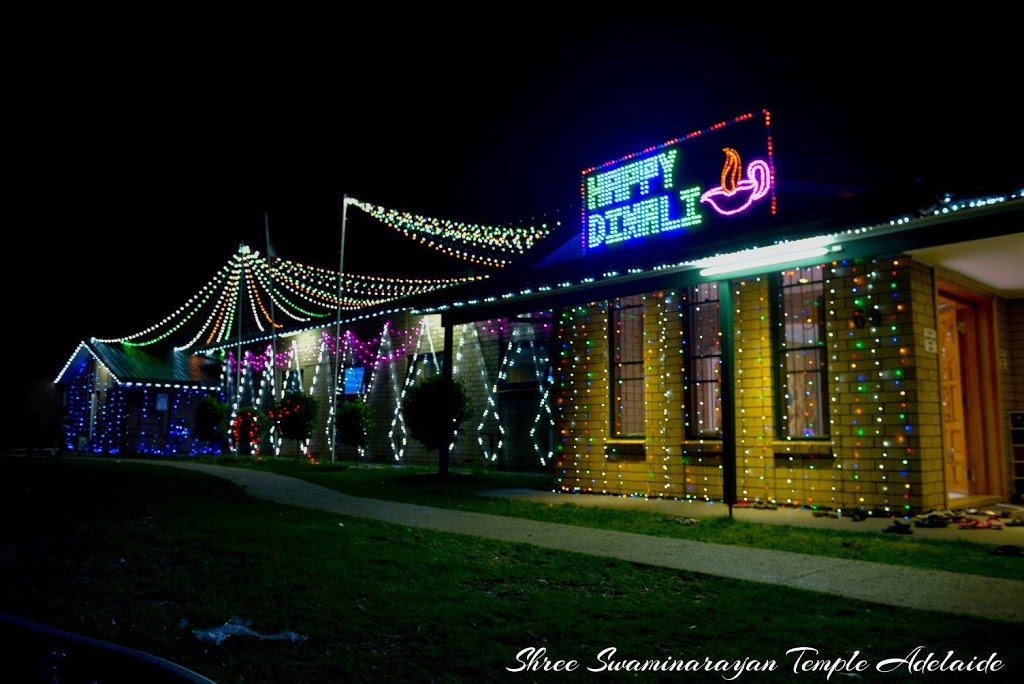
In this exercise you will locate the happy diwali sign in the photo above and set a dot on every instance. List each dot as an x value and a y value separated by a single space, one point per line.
720 174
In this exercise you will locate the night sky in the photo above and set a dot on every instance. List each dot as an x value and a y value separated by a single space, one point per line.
141 160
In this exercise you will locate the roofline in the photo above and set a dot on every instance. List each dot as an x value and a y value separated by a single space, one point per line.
892 236
87 345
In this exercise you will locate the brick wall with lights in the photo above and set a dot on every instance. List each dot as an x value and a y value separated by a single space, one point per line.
883 447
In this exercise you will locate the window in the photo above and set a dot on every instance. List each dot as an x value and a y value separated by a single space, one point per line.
354 380
422 366
704 362
292 380
800 350
626 321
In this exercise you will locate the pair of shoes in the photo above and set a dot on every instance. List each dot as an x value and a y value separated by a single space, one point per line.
992 523
968 523
898 528
933 519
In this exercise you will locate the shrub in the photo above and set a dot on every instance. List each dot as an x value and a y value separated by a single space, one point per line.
434 410
354 423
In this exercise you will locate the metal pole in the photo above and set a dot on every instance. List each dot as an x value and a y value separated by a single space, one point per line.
273 314
238 351
273 324
337 331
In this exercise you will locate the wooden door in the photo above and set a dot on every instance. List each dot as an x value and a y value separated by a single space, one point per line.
953 427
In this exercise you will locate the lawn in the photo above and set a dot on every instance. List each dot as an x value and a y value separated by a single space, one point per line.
144 556
462 491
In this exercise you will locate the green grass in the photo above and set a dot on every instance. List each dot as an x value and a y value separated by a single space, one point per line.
141 556
462 491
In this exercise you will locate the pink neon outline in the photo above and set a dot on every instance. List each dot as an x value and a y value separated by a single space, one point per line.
757 182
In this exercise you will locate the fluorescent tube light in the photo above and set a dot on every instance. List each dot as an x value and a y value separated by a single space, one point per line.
766 256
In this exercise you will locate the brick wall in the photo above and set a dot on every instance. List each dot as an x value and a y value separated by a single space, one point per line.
753 392
884 450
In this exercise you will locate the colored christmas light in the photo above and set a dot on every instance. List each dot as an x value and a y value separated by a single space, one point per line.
486 245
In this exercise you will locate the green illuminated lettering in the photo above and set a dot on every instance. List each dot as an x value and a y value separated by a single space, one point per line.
613 233
649 169
596 230
656 214
640 219
667 160
690 197
593 185
629 175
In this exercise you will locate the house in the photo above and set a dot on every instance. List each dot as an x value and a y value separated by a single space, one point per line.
700 333
122 399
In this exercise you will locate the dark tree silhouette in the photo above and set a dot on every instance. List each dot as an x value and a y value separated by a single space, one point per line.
434 410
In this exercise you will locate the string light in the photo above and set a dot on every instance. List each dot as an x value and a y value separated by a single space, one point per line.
479 244
282 282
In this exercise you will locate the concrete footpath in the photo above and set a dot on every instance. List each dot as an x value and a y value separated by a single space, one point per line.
963 594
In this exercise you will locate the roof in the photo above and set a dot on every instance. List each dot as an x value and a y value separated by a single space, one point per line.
854 231
558 273
136 365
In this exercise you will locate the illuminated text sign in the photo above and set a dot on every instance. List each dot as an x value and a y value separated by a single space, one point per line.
679 187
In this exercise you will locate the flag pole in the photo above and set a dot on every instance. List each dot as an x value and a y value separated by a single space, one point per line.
238 350
273 318
337 331
273 315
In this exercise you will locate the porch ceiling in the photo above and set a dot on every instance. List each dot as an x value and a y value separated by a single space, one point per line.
996 262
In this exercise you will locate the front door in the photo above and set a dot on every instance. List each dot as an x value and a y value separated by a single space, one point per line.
953 399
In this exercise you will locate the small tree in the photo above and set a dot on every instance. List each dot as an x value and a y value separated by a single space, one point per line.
212 417
434 410
354 422
294 416
248 428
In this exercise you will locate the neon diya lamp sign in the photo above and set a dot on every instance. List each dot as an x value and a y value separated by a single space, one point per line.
640 198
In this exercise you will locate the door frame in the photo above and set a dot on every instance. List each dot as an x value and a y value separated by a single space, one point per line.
984 423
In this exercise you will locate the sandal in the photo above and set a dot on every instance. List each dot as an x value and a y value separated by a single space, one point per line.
933 519
898 528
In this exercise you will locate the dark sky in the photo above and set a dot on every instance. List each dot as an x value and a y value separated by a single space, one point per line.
142 158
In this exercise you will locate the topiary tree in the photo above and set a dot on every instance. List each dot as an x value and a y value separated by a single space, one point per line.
212 416
354 422
294 416
434 410
248 428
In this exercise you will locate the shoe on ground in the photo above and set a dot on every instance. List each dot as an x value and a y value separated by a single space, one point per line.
898 528
933 519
